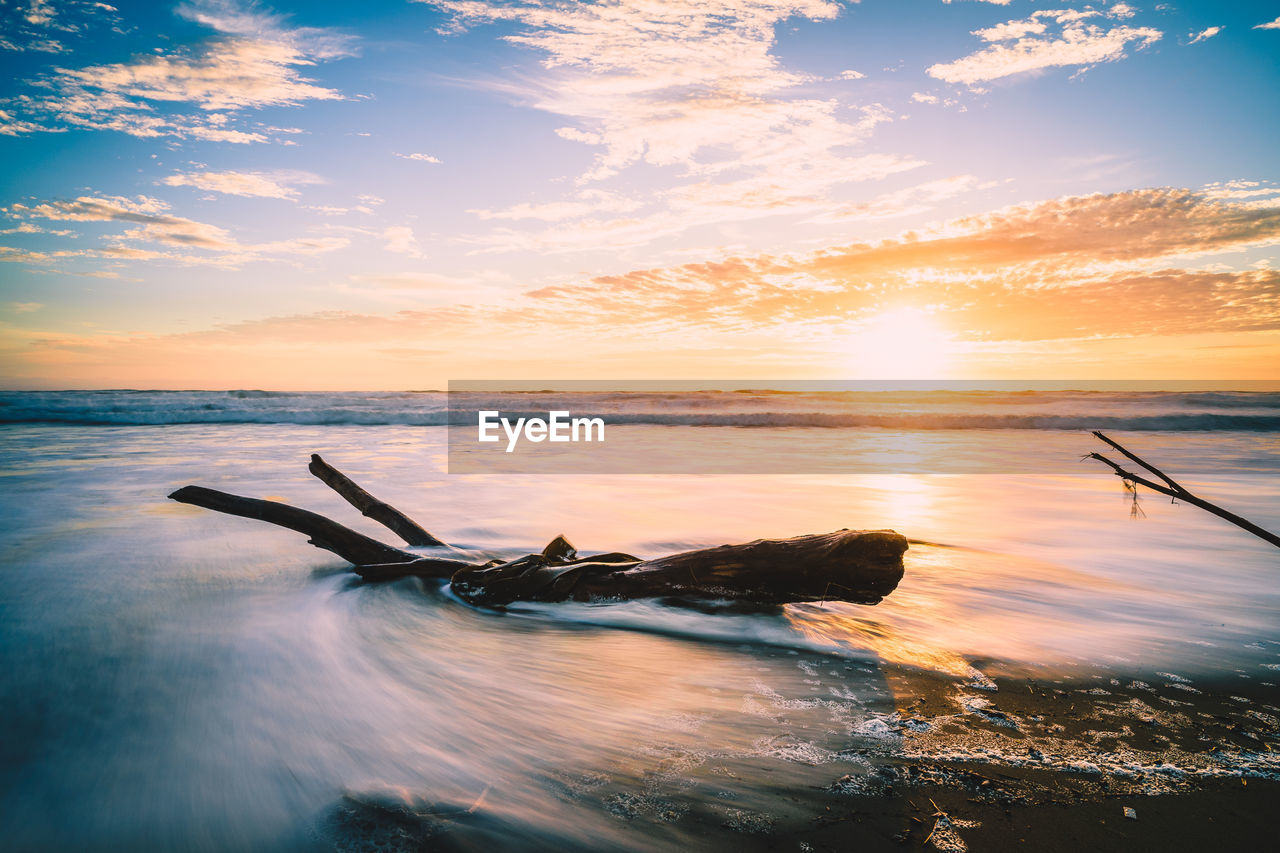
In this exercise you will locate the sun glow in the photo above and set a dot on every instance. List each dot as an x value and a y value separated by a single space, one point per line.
902 343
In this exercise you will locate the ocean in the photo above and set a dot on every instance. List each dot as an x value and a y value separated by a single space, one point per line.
182 680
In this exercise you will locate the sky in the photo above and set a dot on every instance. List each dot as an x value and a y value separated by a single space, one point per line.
394 194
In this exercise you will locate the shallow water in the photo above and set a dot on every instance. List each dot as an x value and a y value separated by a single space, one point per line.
178 679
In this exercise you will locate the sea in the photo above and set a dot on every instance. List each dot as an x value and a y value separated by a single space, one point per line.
176 679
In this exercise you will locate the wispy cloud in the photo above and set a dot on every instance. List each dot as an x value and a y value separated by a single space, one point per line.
155 234
22 307
40 26
400 239
1256 193
32 228
695 91
253 63
593 220
587 202
919 198
1269 25
1207 33
421 158
252 21
93 209
1048 39
253 184
1089 265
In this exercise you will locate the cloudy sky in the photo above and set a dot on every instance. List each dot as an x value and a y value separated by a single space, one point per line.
391 194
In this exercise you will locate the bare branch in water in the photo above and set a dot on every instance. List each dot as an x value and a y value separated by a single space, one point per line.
1171 488
860 566
324 532
1153 469
370 507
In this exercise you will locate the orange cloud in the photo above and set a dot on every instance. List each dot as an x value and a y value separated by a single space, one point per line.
1091 265
1062 275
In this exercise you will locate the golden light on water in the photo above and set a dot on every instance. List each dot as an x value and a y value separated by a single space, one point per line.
910 502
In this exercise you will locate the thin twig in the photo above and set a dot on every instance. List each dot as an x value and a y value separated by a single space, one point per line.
1174 490
1141 481
939 816
1153 469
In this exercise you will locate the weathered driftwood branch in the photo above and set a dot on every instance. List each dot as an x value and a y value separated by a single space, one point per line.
324 532
862 566
369 506
419 567
849 565
1176 491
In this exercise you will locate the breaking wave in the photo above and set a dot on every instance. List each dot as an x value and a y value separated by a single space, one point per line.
900 410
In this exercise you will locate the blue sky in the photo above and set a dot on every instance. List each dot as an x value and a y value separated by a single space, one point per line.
218 194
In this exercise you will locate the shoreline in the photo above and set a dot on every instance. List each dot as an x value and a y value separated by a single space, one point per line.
1040 771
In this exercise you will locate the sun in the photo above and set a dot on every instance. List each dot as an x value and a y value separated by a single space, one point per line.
902 343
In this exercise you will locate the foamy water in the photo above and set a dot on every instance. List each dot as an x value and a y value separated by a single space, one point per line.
179 679
901 405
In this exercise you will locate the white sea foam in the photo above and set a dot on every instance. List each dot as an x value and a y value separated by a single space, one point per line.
912 410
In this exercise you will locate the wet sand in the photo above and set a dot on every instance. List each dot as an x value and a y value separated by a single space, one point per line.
952 764
1057 765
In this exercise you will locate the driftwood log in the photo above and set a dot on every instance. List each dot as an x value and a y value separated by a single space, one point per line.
861 566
